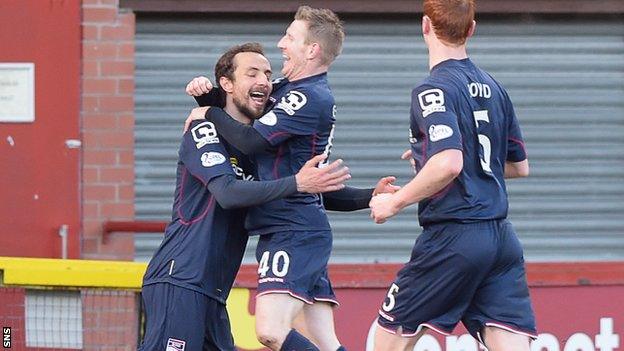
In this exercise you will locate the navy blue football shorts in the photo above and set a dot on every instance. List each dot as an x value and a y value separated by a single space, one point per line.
473 272
180 319
295 263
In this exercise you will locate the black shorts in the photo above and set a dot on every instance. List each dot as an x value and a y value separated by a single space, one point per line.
295 263
470 272
180 319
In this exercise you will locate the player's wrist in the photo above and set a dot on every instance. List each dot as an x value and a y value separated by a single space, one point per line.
398 202
298 183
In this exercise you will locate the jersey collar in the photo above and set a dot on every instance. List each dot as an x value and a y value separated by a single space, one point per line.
452 63
311 79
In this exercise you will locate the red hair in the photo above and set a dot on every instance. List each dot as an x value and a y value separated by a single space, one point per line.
451 19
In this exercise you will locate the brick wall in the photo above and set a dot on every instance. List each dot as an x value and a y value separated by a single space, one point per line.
107 126
110 319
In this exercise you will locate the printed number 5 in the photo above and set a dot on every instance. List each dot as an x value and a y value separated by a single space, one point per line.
389 304
263 265
482 116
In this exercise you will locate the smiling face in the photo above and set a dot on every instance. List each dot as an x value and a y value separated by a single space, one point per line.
251 83
295 51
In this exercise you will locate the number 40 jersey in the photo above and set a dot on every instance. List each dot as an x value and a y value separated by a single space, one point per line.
299 125
459 106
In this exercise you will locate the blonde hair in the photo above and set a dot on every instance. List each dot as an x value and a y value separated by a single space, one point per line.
324 28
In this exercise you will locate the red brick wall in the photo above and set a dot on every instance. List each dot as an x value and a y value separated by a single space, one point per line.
110 320
107 127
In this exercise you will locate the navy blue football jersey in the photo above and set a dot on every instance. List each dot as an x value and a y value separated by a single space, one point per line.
299 124
204 244
459 106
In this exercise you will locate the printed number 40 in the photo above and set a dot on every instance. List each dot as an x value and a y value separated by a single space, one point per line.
484 141
263 266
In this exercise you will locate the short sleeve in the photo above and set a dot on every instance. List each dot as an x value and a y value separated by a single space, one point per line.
203 154
516 151
433 115
297 113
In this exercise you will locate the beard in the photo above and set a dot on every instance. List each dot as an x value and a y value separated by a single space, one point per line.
245 109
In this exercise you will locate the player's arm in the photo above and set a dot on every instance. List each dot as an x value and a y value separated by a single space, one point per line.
215 97
353 199
347 199
517 169
431 111
242 136
516 163
206 159
205 93
295 114
230 192
436 174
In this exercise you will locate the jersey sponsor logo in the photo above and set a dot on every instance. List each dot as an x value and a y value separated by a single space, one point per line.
292 102
210 159
269 119
439 132
277 80
175 345
431 101
204 134
238 170
270 280
412 138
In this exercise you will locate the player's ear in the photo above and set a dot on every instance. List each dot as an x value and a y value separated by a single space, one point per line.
314 51
226 84
472 29
426 25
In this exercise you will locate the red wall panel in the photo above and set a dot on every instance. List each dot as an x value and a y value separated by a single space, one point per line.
39 180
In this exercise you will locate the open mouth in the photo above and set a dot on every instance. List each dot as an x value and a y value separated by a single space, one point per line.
258 97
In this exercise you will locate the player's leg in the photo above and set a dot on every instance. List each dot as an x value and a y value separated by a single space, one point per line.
387 340
434 289
170 324
289 265
275 313
218 334
319 317
319 325
500 315
300 324
498 339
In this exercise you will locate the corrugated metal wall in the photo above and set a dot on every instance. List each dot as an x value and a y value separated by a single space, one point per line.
565 77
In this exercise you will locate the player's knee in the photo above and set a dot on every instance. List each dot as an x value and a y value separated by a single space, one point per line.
268 340
498 339
268 336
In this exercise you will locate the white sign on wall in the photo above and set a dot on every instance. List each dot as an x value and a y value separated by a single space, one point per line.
17 92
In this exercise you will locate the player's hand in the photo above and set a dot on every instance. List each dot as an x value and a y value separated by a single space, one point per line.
384 185
196 113
407 155
383 207
198 86
311 179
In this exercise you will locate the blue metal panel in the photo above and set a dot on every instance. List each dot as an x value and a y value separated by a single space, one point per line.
566 79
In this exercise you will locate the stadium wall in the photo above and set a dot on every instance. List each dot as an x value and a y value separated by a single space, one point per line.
107 126
94 305
580 312
107 84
